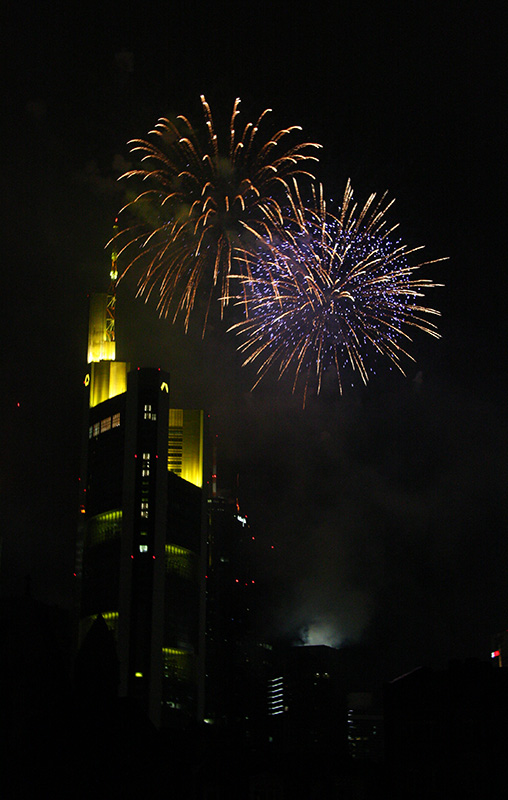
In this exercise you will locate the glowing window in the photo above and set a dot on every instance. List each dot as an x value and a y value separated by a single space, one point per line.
148 413
115 422
143 548
105 424
96 428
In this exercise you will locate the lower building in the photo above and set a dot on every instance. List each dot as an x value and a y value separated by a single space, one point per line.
446 732
307 702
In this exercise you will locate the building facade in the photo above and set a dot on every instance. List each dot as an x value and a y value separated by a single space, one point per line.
238 659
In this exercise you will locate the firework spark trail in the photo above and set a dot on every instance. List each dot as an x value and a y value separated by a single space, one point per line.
331 290
202 202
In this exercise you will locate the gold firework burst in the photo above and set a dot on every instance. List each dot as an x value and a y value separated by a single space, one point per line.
198 202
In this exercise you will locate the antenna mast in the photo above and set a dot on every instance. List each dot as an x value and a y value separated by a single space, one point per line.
111 301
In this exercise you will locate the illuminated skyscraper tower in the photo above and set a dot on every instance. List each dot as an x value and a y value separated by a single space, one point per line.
140 546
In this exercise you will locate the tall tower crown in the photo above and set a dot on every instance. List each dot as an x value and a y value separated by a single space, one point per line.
107 377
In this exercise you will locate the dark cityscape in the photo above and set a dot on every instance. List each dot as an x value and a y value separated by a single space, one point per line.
216 588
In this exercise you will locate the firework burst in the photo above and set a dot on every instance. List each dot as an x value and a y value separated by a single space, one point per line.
331 291
199 202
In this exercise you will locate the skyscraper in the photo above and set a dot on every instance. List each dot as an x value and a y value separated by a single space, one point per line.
141 533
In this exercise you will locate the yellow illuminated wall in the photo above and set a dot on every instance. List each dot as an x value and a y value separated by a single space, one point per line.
100 345
107 379
185 444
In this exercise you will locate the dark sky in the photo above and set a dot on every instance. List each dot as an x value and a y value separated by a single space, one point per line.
388 504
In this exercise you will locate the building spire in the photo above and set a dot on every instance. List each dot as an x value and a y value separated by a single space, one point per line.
111 301
101 325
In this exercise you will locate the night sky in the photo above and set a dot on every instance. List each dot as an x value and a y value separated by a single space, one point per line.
388 504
